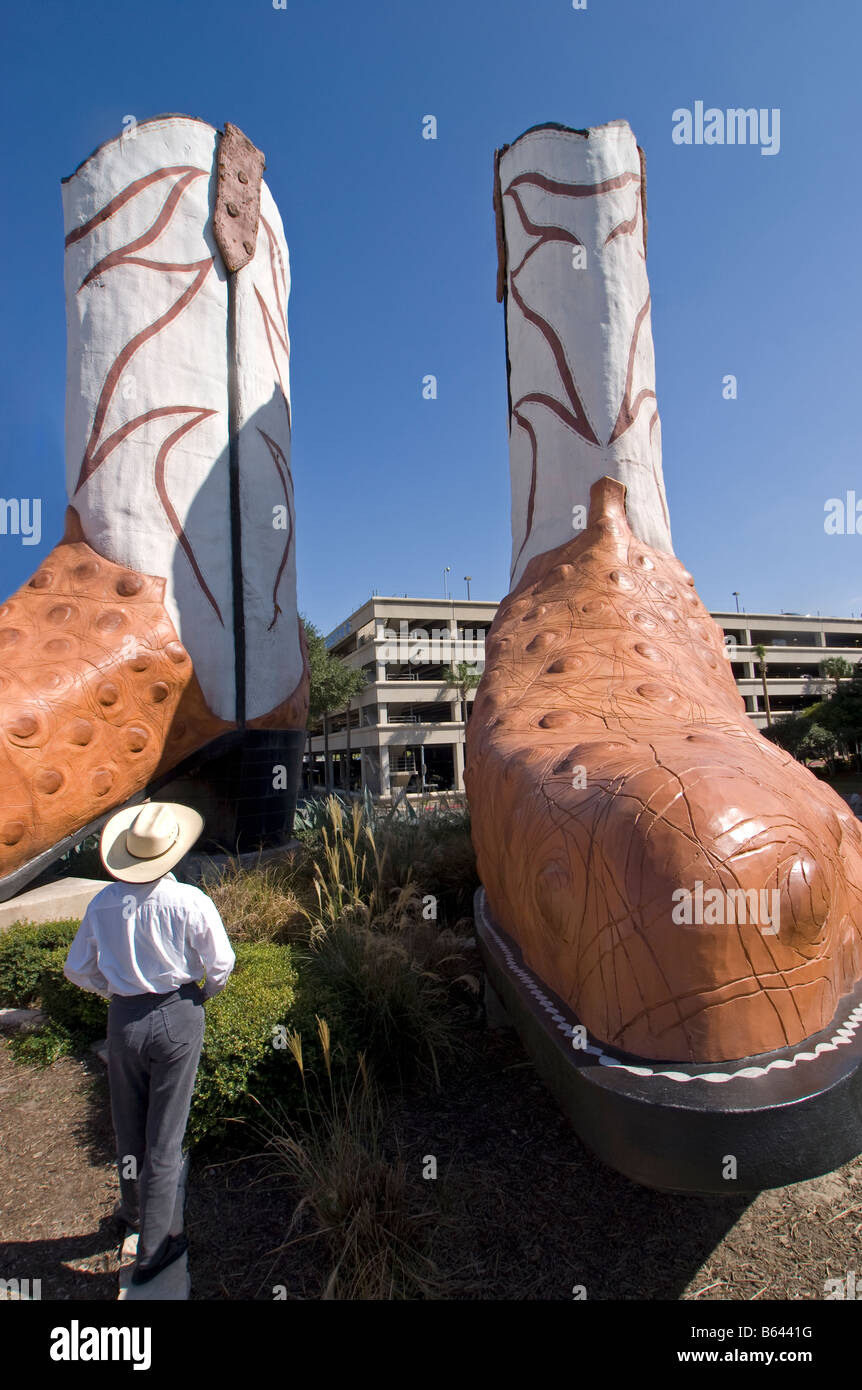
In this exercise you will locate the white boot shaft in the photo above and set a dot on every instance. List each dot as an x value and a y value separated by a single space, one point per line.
579 336
150 402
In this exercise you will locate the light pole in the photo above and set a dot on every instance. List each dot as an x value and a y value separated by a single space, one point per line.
467 579
445 588
736 596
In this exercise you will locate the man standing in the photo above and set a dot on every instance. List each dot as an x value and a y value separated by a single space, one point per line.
146 943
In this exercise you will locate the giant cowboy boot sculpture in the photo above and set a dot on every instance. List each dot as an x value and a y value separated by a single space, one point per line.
164 624
660 875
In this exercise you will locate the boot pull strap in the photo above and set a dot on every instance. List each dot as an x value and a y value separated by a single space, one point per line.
642 158
237 209
498 222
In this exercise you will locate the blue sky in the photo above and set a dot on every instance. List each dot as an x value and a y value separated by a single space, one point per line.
753 262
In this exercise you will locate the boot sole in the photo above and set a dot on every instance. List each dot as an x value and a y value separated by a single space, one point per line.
229 780
784 1116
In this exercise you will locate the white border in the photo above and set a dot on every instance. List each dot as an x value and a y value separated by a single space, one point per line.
840 1038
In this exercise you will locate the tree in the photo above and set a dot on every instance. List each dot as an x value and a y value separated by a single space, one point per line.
788 732
819 743
837 717
841 712
333 685
761 656
464 677
837 669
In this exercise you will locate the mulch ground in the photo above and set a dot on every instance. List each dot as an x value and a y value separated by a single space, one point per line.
521 1209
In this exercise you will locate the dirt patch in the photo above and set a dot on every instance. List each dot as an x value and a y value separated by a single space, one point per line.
535 1214
524 1211
57 1177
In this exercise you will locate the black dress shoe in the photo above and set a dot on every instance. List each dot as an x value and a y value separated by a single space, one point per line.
175 1248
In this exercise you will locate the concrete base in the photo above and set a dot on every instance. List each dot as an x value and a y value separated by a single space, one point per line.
496 1016
65 897
22 1018
197 868
172 1285
128 1255
70 897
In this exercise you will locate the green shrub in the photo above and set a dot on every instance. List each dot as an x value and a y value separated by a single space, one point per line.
433 849
361 857
246 1061
23 948
387 1004
262 903
359 1197
238 1059
316 998
315 813
258 904
42 1046
79 1011
347 865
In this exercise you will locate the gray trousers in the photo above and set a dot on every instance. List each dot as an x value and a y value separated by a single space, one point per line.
154 1045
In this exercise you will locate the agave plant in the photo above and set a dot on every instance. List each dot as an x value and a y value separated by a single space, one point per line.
312 815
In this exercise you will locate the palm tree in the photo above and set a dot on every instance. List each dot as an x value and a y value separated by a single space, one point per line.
331 684
836 669
761 656
463 677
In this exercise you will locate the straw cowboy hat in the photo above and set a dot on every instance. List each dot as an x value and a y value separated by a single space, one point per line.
140 843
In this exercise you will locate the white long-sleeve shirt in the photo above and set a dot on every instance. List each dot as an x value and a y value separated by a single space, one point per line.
150 938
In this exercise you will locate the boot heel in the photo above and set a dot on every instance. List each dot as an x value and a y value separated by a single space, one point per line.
246 789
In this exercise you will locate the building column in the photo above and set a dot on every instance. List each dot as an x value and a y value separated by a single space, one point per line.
385 784
458 754
452 628
327 759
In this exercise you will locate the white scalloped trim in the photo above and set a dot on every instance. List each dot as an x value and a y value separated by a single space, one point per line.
840 1038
